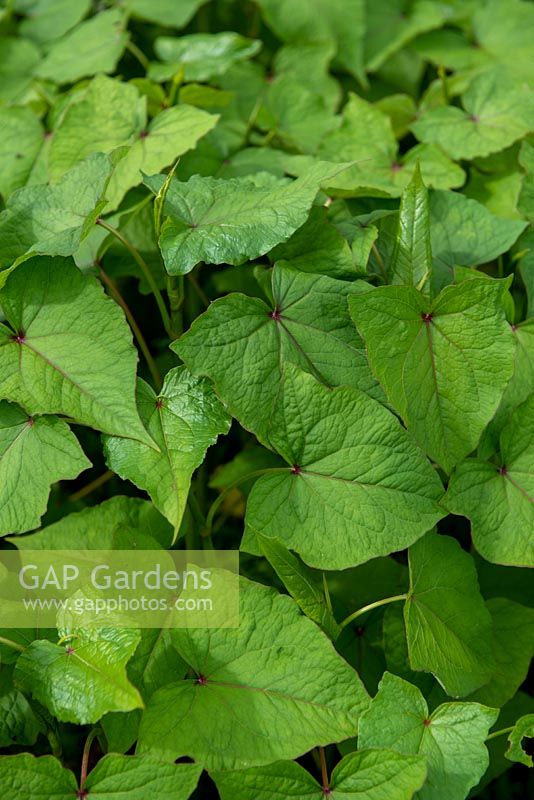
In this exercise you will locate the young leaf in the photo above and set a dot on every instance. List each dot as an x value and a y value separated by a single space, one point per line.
53 220
305 586
83 679
524 728
34 454
443 364
184 420
499 498
260 212
448 627
356 487
412 257
451 738
242 344
253 691
497 112
92 46
68 349
366 775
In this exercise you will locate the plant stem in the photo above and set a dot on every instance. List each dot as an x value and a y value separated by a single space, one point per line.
85 757
117 296
12 644
380 261
502 732
175 291
143 266
361 611
90 487
324 770
225 492
199 290
138 54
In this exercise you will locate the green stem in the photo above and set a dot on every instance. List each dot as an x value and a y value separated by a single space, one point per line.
90 487
324 769
117 296
502 732
224 494
143 266
12 644
361 611
138 54
380 262
85 757
175 291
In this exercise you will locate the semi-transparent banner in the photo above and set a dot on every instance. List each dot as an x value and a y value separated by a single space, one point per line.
119 588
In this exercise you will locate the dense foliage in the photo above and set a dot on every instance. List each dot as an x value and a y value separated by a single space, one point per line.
267 282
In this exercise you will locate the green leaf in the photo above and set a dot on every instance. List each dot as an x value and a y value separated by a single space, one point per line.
139 777
230 221
51 19
68 349
357 486
84 679
22 138
499 498
412 256
502 29
465 233
25 777
391 24
18 58
448 626
366 775
310 21
34 454
53 220
366 137
524 728
18 724
496 112
253 690
242 344
201 55
92 46
184 419
451 738
122 120
170 13
120 522
513 633
309 64
306 587
317 247
443 364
